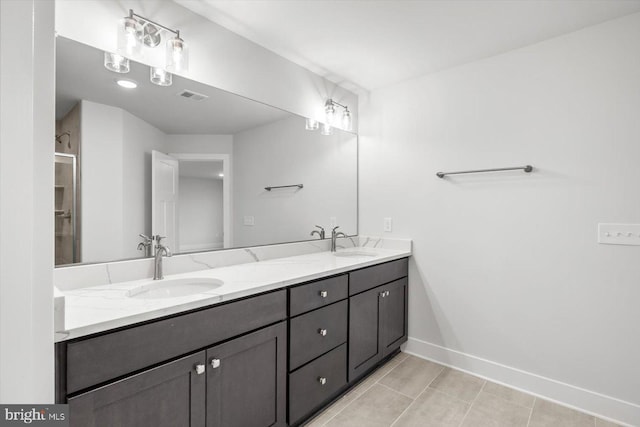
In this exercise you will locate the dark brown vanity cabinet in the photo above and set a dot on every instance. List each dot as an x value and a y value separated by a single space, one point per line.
317 344
240 382
273 359
377 314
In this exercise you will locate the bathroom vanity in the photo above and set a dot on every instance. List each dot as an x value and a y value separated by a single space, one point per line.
271 358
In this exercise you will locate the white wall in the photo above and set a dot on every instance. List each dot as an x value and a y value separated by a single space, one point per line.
284 153
26 201
200 214
200 144
139 139
507 272
116 181
218 57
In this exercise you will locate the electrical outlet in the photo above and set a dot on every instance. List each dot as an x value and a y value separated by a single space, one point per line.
249 220
619 234
387 224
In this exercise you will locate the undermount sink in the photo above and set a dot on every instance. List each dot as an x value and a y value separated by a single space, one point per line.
170 288
353 254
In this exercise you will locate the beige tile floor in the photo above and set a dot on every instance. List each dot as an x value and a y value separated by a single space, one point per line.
409 391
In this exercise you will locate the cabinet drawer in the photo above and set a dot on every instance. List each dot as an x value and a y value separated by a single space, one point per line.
306 388
317 294
317 332
96 360
370 277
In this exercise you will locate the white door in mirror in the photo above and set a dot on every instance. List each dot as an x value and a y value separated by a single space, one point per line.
164 198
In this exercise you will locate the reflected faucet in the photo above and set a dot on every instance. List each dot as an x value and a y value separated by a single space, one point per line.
160 251
145 245
334 237
319 233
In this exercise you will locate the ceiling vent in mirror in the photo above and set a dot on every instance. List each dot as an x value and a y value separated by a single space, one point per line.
192 95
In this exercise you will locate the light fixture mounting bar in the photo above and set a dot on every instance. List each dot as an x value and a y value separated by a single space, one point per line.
332 102
142 18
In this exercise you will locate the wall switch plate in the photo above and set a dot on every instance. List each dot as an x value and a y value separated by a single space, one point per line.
387 224
249 220
619 234
333 221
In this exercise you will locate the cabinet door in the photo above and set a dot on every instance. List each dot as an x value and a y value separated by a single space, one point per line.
393 331
365 347
246 380
167 396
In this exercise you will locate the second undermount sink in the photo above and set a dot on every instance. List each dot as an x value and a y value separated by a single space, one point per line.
353 254
171 288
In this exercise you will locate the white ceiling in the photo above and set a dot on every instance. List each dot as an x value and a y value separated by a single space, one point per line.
374 43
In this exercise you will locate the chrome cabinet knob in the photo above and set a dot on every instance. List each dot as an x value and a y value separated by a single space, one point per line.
382 294
322 380
200 368
215 363
386 294
322 332
324 294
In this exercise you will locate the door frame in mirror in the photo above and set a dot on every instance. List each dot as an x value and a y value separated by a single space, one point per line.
226 186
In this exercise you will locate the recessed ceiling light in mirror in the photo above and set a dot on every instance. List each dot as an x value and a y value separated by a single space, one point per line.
127 84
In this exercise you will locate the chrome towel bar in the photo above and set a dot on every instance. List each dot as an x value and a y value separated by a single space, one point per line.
527 168
283 186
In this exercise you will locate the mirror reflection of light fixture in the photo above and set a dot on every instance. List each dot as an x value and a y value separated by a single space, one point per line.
326 129
116 63
177 54
128 43
312 124
330 112
160 77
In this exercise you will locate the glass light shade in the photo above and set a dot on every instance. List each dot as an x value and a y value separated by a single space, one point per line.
160 77
346 120
312 124
330 112
116 63
177 55
128 37
327 129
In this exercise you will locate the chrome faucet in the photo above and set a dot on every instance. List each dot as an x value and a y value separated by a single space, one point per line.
160 251
334 236
145 245
319 233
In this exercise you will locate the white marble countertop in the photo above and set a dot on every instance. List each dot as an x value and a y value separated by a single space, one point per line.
101 308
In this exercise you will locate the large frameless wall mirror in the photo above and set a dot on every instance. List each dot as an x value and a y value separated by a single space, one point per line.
206 168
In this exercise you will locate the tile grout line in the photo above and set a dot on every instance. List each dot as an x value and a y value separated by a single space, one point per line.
414 400
531 412
396 391
472 403
365 390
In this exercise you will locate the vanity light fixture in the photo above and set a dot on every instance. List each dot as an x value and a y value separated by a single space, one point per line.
160 77
326 129
116 63
127 84
330 112
136 31
312 124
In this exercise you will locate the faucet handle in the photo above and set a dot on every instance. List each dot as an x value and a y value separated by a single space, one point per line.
158 238
146 238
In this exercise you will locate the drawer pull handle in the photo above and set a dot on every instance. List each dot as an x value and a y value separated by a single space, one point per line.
324 294
322 332
322 380
215 363
200 368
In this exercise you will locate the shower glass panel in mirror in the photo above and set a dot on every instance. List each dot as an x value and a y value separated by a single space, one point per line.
188 161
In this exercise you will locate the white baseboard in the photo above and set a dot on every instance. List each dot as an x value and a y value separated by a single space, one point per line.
605 407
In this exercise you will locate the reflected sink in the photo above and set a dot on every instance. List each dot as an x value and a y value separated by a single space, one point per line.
353 254
171 288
